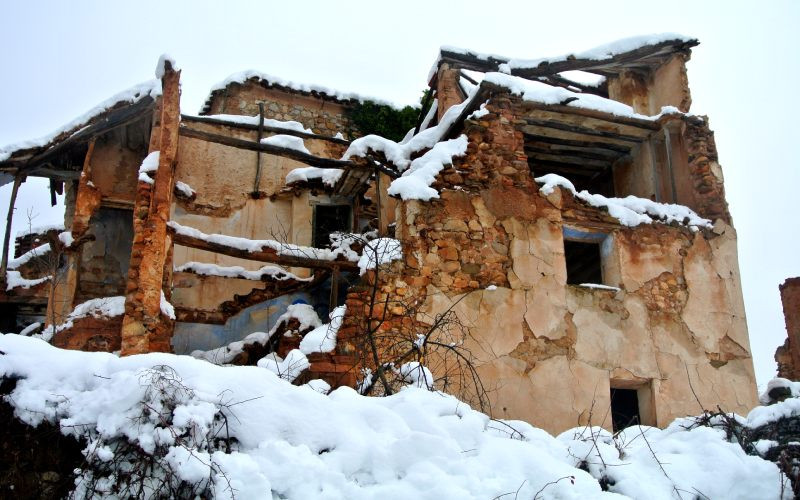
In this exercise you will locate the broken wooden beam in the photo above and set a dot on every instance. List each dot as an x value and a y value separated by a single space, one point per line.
265 255
18 180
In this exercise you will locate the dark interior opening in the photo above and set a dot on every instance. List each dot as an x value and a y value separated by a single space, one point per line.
329 219
594 181
583 262
624 408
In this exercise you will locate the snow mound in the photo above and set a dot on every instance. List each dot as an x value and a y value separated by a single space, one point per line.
294 442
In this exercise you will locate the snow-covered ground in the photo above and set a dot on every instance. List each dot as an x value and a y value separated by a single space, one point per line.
296 442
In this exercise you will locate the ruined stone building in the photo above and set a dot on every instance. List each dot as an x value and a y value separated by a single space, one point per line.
788 355
568 214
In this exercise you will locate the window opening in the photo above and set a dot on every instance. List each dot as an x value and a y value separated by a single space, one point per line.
584 263
624 408
330 219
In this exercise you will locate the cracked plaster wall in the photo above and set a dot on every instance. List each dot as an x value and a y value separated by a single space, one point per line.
549 352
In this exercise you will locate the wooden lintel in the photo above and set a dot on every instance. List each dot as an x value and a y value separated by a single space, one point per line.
583 144
575 159
565 150
270 256
540 127
591 118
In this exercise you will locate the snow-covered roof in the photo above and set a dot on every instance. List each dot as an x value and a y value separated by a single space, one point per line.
534 91
151 88
603 52
312 89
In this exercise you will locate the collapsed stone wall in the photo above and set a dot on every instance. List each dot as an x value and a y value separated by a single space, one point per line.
788 355
675 330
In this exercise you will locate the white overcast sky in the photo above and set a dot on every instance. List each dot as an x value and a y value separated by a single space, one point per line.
58 59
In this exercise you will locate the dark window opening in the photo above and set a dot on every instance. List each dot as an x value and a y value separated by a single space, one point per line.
624 408
583 262
329 219
592 180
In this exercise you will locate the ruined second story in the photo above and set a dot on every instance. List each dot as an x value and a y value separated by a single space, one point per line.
560 228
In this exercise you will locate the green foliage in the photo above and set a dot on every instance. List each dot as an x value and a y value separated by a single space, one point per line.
369 117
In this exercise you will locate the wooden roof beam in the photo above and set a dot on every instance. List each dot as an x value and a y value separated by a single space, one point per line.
308 159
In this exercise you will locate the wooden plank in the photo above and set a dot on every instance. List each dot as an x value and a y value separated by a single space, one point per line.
587 119
564 158
540 168
558 139
541 127
269 255
266 128
560 149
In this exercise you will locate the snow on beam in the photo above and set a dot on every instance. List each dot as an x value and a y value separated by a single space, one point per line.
184 237
308 159
607 59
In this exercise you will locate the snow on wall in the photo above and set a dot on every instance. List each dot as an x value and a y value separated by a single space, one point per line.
243 76
630 211
161 66
548 94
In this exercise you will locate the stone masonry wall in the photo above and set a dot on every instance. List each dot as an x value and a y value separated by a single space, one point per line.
788 355
548 352
324 116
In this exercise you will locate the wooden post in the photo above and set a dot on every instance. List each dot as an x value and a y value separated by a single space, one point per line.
333 301
258 153
381 228
144 328
18 179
